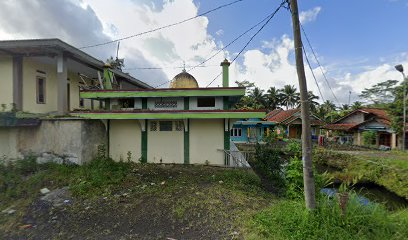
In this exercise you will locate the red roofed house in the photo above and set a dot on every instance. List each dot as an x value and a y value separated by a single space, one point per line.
292 121
366 119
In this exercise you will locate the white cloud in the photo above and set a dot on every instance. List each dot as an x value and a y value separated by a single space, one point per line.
309 15
219 32
95 21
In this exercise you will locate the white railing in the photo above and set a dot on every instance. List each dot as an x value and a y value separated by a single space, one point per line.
236 158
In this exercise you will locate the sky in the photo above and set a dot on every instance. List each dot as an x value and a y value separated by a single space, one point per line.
357 43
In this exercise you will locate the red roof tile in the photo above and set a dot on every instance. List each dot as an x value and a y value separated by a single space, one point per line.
381 113
340 126
281 116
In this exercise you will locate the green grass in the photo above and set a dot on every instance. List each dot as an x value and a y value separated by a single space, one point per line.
291 220
227 199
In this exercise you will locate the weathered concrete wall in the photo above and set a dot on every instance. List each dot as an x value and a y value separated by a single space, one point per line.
8 143
355 118
76 139
6 89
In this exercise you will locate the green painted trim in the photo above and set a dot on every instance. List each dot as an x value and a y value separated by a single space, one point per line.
144 144
225 75
144 103
227 144
187 144
107 78
186 103
176 115
163 93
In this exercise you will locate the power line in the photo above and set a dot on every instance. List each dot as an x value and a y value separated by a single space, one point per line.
163 27
253 36
159 68
267 18
311 69
320 66
233 41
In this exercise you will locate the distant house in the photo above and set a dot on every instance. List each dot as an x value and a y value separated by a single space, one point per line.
351 127
291 121
251 130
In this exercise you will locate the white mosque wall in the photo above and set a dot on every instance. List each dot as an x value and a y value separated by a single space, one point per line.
207 141
125 137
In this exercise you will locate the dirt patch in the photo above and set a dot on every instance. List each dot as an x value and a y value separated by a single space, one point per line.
154 202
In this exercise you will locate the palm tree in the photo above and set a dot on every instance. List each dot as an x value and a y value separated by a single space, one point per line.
328 106
258 96
312 101
272 98
326 110
345 107
356 105
289 96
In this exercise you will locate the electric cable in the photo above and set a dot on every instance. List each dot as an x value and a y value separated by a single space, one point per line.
162 27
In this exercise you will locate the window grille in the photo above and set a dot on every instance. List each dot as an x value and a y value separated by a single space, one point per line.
165 104
179 126
153 126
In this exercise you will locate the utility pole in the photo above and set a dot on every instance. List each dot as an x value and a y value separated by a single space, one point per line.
308 178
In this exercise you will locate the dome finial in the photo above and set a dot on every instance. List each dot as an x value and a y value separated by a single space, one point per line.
184 66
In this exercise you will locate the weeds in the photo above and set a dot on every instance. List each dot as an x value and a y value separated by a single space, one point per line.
291 220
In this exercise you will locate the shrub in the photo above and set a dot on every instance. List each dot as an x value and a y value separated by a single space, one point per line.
369 138
294 148
294 179
269 164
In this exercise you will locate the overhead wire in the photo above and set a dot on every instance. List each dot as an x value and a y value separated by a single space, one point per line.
226 46
311 69
162 27
318 62
253 36
233 41
159 68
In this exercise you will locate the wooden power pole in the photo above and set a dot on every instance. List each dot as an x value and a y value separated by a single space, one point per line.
308 178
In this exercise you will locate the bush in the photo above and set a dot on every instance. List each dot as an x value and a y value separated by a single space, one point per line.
294 179
269 164
291 220
294 148
369 138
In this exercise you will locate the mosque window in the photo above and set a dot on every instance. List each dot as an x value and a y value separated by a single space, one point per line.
165 103
166 126
179 126
153 126
41 90
206 102
127 103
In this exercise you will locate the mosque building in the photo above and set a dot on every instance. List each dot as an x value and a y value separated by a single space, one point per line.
184 124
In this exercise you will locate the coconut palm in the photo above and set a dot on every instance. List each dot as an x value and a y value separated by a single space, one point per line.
272 98
258 96
289 96
327 111
356 105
